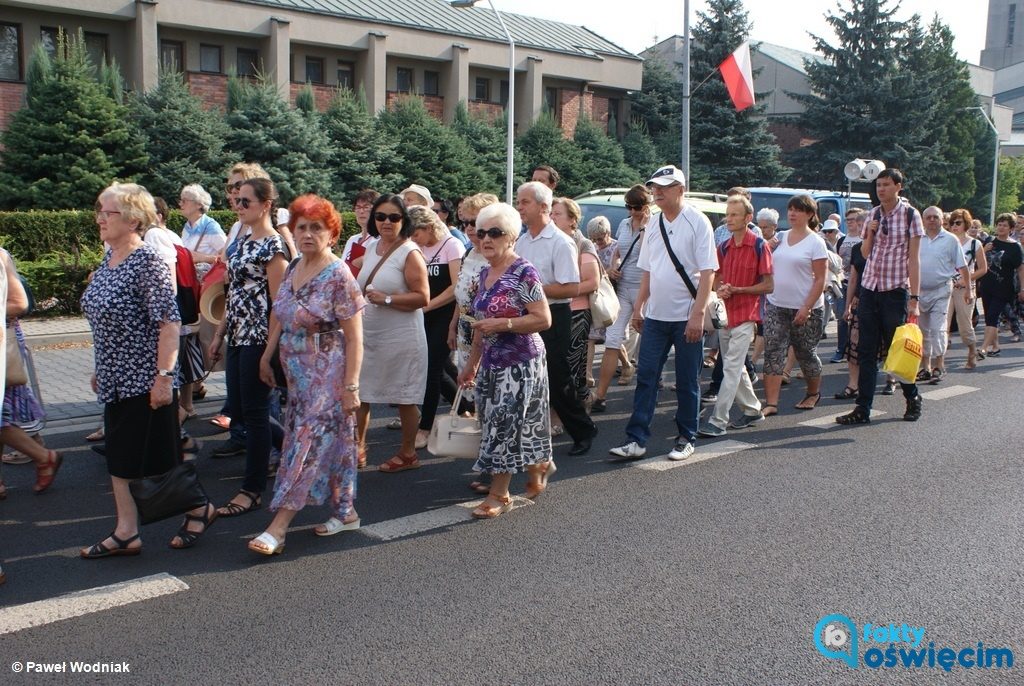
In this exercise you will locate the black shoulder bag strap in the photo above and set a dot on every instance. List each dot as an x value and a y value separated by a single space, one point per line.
675 260
631 246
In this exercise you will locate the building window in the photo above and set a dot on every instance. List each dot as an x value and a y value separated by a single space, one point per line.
613 117
405 81
10 52
431 83
503 93
96 47
209 59
171 56
1011 23
346 75
315 69
247 62
483 89
48 39
551 101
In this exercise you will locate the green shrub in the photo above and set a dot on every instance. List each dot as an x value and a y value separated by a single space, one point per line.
32 235
59 279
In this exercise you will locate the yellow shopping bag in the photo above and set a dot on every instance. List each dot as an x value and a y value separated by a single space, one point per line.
904 357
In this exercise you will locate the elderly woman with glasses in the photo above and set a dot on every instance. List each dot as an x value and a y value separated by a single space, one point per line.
626 275
201 234
395 284
131 307
508 366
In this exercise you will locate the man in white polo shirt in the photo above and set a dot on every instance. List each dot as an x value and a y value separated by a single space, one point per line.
553 254
674 314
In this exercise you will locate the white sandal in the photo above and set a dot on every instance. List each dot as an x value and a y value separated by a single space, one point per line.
336 526
266 544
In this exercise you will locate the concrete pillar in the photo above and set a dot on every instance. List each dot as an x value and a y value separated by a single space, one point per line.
279 55
530 100
374 70
146 70
457 75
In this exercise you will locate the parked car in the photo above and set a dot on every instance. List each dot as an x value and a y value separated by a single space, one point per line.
829 202
611 203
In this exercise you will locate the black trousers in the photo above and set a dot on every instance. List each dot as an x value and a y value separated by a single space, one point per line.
878 316
564 400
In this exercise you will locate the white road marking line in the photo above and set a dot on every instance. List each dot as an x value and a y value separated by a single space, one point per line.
948 392
1019 374
829 420
661 463
431 519
86 602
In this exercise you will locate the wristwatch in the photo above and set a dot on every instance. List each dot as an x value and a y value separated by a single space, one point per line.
509 324
387 300
915 297
165 372
352 387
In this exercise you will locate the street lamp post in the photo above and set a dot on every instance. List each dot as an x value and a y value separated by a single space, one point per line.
995 163
510 152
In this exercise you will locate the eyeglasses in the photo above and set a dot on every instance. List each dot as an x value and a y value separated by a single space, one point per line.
885 226
243 202
363 207
469 222
393 218
493 232
105 214
237 185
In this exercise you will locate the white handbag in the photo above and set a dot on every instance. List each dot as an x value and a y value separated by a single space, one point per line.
455 436
604 303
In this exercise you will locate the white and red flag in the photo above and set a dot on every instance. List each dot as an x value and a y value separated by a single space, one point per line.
738 78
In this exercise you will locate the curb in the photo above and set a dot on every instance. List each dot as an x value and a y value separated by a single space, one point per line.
56 338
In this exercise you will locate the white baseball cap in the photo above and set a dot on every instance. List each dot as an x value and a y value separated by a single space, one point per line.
667 175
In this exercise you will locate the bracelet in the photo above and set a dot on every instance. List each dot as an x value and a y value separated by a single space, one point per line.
509 324
352 388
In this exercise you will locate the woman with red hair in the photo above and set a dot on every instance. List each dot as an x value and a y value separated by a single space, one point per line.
317 321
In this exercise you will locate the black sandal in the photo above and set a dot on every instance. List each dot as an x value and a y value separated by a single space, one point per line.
858 416
99 550
816 396
847 394
234 509
189 538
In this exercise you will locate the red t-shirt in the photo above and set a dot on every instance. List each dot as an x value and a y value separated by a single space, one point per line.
740 266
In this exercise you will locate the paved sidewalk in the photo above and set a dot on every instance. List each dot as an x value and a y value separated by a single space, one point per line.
63 355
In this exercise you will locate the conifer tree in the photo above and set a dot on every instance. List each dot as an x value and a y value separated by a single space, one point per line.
489 144
638 150
70 140
357 150
605 166
185 141
659 106
545 143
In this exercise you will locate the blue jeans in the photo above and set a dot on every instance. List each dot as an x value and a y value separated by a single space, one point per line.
878 316
250 405
657 339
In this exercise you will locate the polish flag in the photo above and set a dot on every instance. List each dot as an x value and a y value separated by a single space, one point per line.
737 76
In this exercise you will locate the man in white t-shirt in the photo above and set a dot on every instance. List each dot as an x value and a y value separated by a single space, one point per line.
674 315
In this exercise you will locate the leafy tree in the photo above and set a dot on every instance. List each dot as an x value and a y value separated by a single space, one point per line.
70 140
1011 184
428 152
358 151
638 149
489 143
292 147
545 143
659 106
185 141
605 166
730 148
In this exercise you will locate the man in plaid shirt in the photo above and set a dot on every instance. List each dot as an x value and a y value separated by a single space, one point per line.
890 289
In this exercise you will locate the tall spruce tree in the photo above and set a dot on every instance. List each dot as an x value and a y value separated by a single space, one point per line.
70 140
185 141
638 149
489 144
545 143
659 106
428 152
291 146
605 165
729 148
358 151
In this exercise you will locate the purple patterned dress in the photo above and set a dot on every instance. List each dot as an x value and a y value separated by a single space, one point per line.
318 461
512 384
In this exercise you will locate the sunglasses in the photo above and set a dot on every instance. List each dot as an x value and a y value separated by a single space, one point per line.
634 208
469 222
958 222
494 232
381 217
237 185
243 203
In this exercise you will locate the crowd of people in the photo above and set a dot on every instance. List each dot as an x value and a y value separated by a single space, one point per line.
433 296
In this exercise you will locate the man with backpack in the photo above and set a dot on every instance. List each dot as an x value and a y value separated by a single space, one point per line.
744 275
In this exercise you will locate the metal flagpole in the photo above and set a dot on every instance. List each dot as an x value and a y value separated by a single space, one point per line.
686 92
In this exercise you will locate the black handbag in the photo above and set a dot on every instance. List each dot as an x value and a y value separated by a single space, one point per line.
167 495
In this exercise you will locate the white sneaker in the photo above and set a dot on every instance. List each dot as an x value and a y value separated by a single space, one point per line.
681 451
630 451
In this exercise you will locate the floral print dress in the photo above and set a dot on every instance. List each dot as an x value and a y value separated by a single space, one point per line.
318 461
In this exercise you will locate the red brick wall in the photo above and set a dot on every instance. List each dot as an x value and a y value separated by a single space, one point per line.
569 100
212 89
12 97
486 110
433 103
789 137
599 112
322 94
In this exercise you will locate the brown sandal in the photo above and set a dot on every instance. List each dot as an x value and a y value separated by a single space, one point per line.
485 511
801 406
47 473
400 463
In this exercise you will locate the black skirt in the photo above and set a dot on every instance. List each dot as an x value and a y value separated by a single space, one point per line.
141 441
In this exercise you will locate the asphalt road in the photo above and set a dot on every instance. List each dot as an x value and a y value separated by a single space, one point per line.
712 572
